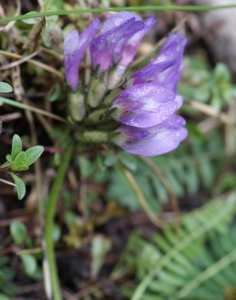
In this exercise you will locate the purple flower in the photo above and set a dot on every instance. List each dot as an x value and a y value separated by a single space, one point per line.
75 46
152 141
144 105
121 35
146 109
171 51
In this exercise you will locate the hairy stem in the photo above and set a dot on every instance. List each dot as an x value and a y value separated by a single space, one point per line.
50 212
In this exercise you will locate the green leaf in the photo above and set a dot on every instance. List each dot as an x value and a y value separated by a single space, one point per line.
4 297
69 218
6 164
128 160
8 272
18 231
32 154
32 20
54 93
13 166
86 166
29 262
100 246
51 5
4 259
56 233
9 158
2 279
5 87
20 162
20 186
19 167
10 289
16 146
20 158
222 73
110 159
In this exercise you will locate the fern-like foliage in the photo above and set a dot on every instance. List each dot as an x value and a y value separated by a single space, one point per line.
192 261
188 169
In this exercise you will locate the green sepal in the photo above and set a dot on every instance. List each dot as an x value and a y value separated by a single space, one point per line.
76 105
111 97
97 90
94 136
99 116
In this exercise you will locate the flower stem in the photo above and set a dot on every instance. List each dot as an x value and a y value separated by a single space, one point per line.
50 212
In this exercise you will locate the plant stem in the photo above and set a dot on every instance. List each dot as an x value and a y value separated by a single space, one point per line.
50 213
31 108
189 8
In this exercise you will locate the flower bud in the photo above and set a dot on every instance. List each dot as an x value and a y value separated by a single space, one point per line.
76 106
97 90
99 116
96 136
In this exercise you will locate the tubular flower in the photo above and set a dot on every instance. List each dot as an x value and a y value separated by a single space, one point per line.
154 140
146 109
118 42
75 46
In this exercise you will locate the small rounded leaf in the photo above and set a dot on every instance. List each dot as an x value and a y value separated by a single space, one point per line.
32 154
33 20
20 158
54 93
16 146
21 168
56 233
9 158
5 87
18 231
20 186
29 262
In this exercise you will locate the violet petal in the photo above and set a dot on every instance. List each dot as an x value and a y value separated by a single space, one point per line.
148 94
75 46
102 47
130 47
150 72
172 49
155 140
142 118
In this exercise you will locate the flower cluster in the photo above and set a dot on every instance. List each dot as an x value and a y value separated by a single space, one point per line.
145 110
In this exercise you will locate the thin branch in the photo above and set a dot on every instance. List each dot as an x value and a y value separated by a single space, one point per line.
34 62
7 182
157 222
10 117
210 111
173 198
32 108
20 61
